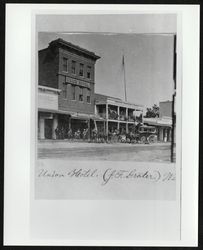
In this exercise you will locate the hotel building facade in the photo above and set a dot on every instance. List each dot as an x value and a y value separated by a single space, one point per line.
67 98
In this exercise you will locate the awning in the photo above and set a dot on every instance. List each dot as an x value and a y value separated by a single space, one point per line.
158 122
53 111
74 115
80 116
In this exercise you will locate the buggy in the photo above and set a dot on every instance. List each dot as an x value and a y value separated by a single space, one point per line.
146 134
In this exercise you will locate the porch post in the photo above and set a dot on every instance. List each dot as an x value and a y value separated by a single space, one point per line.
118 124
158 133
107 125
54 126
126 127
169 134
41 128
165 134
107 115
126 114
69 122
88 124
161 133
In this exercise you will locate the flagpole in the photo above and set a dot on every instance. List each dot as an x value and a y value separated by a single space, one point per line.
124 77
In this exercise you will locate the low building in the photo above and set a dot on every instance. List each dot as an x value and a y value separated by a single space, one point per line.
163 123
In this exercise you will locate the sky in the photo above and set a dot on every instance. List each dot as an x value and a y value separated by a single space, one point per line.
148 61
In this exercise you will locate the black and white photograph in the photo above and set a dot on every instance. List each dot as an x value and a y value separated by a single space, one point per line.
101 125
106 112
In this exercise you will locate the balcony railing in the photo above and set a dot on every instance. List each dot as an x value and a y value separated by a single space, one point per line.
123 118
102 115
113 115
131 118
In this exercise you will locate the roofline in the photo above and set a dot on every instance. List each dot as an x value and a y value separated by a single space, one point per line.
107 96
73 46
116 99
49 88
119 103
166 101
43 49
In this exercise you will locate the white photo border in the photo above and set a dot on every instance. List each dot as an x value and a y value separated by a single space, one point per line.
17 158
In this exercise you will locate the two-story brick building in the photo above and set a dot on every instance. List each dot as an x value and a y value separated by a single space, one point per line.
66 88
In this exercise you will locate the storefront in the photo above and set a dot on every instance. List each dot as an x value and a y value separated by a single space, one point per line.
59 125
163 127
47 123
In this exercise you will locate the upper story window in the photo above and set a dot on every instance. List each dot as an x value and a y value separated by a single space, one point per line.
88 72
81 70
73 92
80 94
65 64
73 67
88 96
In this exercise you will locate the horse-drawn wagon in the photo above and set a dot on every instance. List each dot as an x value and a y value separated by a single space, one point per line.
147 134
144 134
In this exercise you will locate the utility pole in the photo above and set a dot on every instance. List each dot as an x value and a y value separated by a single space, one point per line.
173 102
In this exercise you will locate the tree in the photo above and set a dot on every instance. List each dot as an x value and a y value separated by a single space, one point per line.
152 112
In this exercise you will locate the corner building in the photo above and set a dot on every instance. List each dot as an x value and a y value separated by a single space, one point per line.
163 123
66 88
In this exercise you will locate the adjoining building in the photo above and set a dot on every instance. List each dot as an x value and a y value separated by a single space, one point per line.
163 123
66 88
114 114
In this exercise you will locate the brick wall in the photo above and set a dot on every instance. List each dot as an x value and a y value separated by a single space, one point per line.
165 109
51 74
48 68
67 104
78 59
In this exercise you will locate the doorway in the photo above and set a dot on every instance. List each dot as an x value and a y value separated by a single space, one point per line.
48 128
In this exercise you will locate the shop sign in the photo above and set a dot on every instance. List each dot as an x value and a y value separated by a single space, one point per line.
77 82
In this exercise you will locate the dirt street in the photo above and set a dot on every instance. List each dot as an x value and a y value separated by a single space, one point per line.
159 152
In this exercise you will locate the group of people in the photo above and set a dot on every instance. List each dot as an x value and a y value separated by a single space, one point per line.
114 134
67 133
